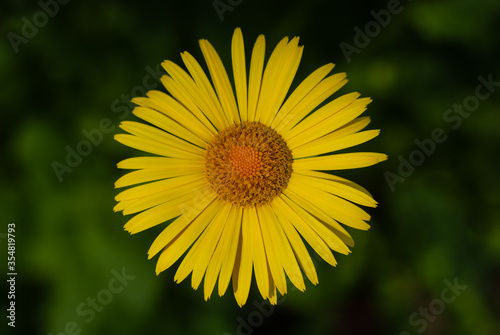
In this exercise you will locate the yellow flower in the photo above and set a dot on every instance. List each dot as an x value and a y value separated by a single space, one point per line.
241 176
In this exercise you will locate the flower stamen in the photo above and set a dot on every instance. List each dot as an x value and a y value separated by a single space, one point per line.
245 160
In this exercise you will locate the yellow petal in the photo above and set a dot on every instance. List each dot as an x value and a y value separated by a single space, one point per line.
164 122
180 234
327 176
156 215
354 126
223 252
330 230
331 142
199 256
151 200
206 90
352 160
189 94
311 100
190 260
155 134
279 80
242 275
186 99
154 147
220 80
335 204
157 210
170 107
349 128
323 113
269 74
121 205
272 248
149 175
170 184
262 273
255 77
337 188
285 252
153 163
329 124
334 235
157 186
295 241
240 72
230 239
272 296
308 227
299 93
339 209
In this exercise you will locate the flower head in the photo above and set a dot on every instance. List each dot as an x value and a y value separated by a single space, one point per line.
242 175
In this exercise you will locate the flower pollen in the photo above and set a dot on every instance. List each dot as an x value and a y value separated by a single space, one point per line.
245 160
248 164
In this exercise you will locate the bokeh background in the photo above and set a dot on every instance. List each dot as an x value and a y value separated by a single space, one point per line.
442 224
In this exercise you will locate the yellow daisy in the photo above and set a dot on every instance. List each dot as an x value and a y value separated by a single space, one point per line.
242 176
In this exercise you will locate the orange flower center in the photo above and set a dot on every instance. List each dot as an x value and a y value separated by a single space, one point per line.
248 164
245 160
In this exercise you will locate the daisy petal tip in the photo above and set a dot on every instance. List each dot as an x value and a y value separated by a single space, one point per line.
151 255
136 101
344 251
167 63
129 229
204 43
159 268
133 231
118 185
382 158
240 299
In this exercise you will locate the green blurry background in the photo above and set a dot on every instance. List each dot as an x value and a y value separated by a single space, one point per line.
441 224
